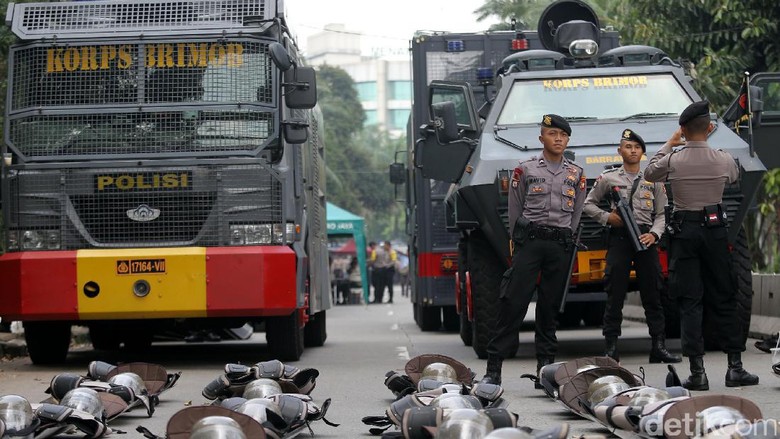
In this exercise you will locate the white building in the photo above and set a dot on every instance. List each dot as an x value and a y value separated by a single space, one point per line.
383 77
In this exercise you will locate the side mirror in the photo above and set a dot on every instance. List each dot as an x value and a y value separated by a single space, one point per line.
279 56
300 84
756 104
295 131
445 122
397 173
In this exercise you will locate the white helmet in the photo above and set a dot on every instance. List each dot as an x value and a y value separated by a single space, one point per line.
604 387
130 380
217 427
84 399
465 424
17 415
441 372
455 401
257 409
508 433
262 388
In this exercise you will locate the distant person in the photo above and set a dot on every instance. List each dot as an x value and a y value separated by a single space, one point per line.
402 268
370 266
338 278
383 259
353 275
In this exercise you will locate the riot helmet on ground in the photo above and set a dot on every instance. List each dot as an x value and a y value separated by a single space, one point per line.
17 416
712 419
217 427
257 409
130 380
508 433
604 387
440 372
648 395
465 423
456 401
262 388
84 399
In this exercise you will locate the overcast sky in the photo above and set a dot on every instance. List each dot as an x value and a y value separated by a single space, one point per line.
386 24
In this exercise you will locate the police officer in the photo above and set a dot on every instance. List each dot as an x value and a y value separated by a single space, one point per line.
545 205
647 201
700 260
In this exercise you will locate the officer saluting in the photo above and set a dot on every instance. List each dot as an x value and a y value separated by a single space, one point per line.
700 259
647 201
545 205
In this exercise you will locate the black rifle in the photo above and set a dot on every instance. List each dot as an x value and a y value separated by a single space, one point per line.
632 228
576 246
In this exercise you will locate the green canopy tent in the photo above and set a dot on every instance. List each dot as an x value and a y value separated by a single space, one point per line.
342 222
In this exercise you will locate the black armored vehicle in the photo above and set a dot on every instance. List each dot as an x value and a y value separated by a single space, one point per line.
570 67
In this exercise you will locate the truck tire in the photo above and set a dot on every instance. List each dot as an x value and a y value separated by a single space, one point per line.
104 338
450 318
315 333
285 337
486 270
466 331
740 259
47 342
428 317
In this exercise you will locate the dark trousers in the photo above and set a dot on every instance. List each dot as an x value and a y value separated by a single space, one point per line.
701 274
531 257
383 278
620 254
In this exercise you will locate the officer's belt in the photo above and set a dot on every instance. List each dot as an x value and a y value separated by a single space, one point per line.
623 231
689 215
549 233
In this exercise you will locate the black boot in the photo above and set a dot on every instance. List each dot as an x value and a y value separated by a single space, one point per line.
659 354
698 379
611 348
493 373
540 363
736 375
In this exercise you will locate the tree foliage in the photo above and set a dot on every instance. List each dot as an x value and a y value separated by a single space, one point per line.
357 158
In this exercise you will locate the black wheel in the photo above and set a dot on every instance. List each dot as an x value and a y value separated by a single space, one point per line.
466 330
47 342
285 337
104 338
428 317
450 318
593 313
314 333
740 260
486 270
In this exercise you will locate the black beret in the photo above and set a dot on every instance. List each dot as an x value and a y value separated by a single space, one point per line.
696 109
555 121
629 134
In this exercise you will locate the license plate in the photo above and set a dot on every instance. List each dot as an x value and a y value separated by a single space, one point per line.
140 266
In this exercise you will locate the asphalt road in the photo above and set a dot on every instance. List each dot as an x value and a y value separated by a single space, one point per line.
363 343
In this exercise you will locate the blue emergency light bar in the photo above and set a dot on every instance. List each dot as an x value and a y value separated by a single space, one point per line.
455 46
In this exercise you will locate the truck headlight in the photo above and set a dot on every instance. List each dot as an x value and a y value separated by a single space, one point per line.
250 234
34 240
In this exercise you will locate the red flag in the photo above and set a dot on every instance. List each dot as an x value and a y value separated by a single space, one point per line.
742 102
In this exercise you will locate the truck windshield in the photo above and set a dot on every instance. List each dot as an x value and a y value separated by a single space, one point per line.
141 98
607 97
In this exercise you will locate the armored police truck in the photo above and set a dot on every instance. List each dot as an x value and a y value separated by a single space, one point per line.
163 170
570 67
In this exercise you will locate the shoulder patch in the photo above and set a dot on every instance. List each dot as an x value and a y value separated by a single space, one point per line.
516 174
583 183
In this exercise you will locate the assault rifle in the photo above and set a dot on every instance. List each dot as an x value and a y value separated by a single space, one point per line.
576 246
632 228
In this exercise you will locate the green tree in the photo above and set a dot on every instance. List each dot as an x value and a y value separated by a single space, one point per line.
356 159
528 12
